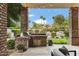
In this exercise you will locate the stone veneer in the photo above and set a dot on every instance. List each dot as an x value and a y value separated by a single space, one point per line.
3 28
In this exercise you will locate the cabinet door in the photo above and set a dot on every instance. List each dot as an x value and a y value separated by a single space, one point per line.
37 43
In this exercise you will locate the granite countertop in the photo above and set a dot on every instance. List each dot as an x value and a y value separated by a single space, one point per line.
37 33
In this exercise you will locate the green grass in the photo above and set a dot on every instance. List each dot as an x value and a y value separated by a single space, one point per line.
60 41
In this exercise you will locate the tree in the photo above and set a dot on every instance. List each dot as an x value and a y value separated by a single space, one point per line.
59 20
42 17
13 13
34 25
66 27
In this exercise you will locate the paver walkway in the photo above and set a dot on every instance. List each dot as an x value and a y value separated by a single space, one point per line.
37 51
44 51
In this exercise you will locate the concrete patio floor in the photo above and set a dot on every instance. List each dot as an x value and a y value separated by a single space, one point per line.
44 51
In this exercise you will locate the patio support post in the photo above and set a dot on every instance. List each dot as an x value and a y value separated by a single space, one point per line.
3 29
74 18
24 19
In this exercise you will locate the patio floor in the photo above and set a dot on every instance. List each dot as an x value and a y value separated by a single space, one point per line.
44 51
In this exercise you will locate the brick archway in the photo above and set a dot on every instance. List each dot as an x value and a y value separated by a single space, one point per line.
73 11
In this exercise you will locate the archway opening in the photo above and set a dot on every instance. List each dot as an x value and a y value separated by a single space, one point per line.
55 20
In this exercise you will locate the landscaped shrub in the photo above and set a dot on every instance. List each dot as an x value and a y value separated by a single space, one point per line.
20 47
59 41
63 41
53 34
56 41
10 44
66 33
16 31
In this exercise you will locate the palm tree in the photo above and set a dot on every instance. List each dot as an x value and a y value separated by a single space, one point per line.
43 18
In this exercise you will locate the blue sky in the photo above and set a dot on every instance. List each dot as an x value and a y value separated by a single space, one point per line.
35 13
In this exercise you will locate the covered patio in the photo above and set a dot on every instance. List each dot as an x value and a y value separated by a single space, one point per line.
46 51
40 51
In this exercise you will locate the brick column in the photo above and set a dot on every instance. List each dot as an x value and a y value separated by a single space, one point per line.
24 19
3 28
74 17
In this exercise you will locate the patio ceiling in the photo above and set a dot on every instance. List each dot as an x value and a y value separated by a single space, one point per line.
50 5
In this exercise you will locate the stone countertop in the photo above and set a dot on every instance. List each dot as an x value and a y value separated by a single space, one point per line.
37 35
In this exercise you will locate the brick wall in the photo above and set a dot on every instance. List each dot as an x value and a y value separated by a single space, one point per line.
3 28
24 19
75 38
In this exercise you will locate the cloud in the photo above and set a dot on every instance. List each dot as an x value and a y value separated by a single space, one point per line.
40 21
31 15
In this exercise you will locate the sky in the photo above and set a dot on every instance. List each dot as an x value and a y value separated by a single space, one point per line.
48 13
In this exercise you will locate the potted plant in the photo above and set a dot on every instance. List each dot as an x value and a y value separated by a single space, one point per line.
50 42
10 44
20 47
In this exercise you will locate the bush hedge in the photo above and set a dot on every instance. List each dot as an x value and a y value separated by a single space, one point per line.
59 41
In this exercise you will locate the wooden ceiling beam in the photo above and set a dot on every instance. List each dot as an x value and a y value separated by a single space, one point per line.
50 5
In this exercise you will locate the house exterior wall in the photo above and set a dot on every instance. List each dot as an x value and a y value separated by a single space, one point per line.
3 28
